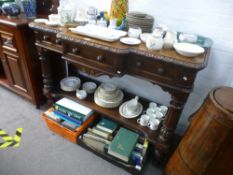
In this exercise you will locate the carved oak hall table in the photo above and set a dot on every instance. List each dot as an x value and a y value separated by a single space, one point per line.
175 74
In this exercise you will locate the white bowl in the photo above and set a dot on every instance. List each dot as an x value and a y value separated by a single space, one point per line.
89 87
188 49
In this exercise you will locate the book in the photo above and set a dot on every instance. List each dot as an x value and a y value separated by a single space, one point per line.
63 116
94 144
107 125
49 114
100 133
123 144
97 138
69 125
72 108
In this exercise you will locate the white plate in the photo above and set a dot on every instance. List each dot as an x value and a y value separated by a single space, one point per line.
40 20
52 23
130 41
188 49
70 84
123 113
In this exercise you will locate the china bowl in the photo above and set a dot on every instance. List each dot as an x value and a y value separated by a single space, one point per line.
188 49
89 87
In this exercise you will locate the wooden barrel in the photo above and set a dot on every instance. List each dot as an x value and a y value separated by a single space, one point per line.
207 146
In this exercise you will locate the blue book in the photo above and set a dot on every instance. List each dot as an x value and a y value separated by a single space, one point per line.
67 118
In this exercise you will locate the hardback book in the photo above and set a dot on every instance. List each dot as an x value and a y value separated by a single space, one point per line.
100 133
67 118
123 144
107 125
72 108
49 114
69 125
96 137
94 144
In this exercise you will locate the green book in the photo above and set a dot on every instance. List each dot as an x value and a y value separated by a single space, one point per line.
72 108
123 144
107 125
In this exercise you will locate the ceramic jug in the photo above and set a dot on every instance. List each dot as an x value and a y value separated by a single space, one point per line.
155 42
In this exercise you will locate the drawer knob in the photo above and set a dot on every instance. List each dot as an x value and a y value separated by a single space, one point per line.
100 58
160 70
46 38
139 64
119 72
185 78
75 50
58 41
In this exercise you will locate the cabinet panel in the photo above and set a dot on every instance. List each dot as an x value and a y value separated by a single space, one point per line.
15 69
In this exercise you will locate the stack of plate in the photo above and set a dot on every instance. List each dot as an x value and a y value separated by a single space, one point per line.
70 84
108 95
142 20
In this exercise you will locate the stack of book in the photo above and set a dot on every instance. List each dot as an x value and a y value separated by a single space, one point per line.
71 114
100 136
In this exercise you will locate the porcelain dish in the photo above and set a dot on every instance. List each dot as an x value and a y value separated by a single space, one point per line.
52 23
40 20
89 87
130 41
188 49
70 84
108 95
123 111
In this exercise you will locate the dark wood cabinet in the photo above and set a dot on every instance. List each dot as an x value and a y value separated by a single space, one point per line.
19 63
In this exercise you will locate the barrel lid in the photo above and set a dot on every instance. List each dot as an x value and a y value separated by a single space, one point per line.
224 97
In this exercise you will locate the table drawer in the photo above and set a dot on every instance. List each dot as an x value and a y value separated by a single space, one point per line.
165 73
48 39
94 58
8 41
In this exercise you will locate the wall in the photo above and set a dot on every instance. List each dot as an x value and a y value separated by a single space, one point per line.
211 18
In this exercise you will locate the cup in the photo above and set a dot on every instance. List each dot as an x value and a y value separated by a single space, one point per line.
153 124
134 32
150 111
54 18
152 105
159 115
143 120
163 109
81 94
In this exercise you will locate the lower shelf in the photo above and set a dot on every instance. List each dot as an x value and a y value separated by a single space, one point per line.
109 158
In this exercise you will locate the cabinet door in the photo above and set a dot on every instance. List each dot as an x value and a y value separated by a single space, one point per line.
14 65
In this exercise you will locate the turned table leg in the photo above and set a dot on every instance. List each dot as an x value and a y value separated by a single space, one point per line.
169 125
46 73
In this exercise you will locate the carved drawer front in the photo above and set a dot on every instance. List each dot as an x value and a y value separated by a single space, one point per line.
93 58
48 39
8 41
155 69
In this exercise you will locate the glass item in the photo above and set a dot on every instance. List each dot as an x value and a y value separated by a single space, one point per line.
65 12
119 8
29 7
11 9
134 32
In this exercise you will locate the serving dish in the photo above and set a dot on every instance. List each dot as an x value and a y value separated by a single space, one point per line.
40 20
188 49
99 32
130 41
89 87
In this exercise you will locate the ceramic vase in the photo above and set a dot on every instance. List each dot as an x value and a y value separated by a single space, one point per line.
119 8
29 8
11 9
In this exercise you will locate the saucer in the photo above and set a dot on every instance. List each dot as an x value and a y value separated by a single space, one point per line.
52 23
123 113
130 41
40 20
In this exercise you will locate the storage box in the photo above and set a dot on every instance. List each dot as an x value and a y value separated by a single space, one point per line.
65 132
